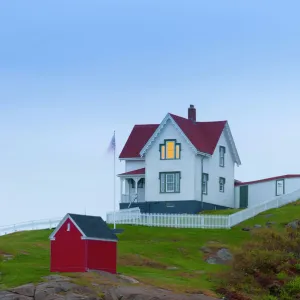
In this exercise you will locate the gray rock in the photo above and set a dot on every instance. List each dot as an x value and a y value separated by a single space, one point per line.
172 268
224 254
128 279
270 223
211 260
26 290
294 224
257 226
7 257
11 296
268 215
246 229
73 296
205 249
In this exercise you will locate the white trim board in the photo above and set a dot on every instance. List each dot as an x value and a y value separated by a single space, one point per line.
67 216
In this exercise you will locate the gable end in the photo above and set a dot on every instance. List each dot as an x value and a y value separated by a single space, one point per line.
158 132
232 144
61 223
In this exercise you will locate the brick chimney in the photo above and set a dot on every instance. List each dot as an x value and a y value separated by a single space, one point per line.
192 113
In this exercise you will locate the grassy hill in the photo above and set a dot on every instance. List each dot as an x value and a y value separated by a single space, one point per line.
165 257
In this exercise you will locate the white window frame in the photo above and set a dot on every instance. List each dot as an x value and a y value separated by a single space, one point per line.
68 227
169 178
221 184
222 156
204 183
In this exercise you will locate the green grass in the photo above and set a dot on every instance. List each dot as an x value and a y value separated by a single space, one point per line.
144 252
228 211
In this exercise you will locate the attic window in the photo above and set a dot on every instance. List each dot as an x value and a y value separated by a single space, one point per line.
170 149
68 227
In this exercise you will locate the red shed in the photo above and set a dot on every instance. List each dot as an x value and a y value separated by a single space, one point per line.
81 243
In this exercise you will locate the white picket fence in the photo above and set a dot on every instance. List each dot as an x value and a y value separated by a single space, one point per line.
276 202
31 225
133 216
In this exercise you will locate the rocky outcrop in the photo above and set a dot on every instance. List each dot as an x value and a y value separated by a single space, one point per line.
62 288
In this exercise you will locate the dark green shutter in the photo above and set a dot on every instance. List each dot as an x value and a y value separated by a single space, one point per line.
162 182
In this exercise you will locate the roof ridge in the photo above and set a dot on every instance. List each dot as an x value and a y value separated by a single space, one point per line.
146 125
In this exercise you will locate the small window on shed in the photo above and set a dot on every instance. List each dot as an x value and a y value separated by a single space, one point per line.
68 227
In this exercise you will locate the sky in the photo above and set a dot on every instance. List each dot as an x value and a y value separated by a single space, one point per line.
72 72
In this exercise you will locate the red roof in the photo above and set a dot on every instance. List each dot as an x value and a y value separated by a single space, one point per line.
135 172
238 183
203 135
137 139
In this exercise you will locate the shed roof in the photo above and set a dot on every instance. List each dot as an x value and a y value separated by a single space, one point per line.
239 183
92 227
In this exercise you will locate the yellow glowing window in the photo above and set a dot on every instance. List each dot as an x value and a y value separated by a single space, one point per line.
163 152
177 151
170 150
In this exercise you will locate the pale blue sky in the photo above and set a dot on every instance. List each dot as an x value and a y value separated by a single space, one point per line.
71 72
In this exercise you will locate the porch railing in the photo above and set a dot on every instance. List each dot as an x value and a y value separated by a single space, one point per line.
129 198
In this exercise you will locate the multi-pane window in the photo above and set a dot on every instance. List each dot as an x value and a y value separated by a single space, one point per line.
169 182
170 150
222 156
204 183
222 184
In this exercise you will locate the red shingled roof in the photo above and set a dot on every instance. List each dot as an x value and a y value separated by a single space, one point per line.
137 139
267 179
135 172
203 135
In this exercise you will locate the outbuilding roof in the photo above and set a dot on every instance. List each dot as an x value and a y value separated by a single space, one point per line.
91 227
239 183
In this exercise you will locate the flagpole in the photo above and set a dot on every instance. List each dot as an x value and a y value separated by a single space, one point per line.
115 180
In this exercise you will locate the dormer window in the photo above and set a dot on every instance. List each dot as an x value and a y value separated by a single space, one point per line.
170 149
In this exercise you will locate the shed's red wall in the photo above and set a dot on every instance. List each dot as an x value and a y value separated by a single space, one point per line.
68 250
102 255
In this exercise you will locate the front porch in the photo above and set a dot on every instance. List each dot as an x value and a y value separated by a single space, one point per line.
132 187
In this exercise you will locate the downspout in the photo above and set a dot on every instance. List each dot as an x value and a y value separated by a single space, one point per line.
202 157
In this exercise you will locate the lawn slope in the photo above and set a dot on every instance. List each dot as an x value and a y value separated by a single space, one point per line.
165 257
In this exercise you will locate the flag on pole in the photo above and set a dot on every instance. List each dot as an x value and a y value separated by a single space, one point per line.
112 144
112 148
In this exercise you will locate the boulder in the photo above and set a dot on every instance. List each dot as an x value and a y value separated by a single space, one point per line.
294 224
25 290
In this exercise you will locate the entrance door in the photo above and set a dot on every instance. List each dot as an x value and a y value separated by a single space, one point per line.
244 196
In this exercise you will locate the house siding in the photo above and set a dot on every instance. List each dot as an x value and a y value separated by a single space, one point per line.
131 165
211 167
154 165
265 191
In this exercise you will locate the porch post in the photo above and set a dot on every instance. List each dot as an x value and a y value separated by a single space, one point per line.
121 188
136 183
